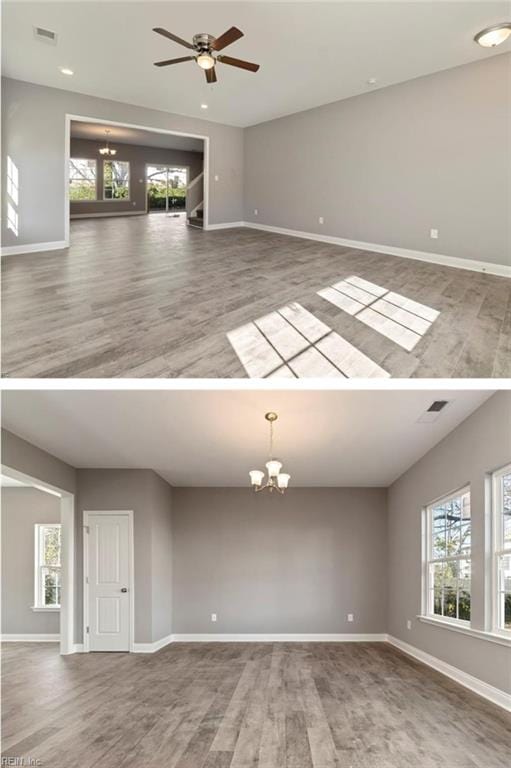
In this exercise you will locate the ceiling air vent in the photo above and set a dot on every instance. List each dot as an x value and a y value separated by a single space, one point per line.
438 405
433 412
45 35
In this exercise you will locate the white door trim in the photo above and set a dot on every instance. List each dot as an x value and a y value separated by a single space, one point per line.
129 514
101 121
67 520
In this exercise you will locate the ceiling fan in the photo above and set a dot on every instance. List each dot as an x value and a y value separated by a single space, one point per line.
204 47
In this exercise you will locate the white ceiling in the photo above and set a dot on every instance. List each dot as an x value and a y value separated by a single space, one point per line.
212 438
310 53
122 135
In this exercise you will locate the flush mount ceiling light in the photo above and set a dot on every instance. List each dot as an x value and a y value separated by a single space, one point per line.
66 71
106 149
276 479
203 106
205 51
493 36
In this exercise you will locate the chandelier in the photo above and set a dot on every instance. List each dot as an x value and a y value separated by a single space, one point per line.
276 479
106 149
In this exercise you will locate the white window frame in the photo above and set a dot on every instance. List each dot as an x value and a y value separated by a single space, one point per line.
39 604
116 199
498 548
89 160
428 560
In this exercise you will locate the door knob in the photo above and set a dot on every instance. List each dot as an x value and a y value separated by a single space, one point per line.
124 589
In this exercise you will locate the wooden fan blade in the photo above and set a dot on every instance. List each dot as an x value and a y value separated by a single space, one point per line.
238 63
173 61
210 75
170 36
227 38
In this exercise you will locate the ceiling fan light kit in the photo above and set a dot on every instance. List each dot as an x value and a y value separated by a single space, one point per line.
204 46
277 480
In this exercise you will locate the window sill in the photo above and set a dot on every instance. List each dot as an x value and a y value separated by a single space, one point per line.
45 609
493 637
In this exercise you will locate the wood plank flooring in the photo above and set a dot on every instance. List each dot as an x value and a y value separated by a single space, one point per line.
148 297
272 705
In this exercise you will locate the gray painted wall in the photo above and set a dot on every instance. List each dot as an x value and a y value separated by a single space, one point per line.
22 508
296 563
480 445
33 135
24 457
138 157
149 497
388 166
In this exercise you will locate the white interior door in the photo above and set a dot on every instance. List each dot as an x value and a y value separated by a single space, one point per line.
108 581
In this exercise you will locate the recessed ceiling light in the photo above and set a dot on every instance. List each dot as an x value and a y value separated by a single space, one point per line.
372 81
203 106
66 71
493 36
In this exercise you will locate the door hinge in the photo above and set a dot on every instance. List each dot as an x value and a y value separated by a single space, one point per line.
87 630
86 579
86 529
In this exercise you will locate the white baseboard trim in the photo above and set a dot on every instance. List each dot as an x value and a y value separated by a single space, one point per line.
78 648
14 250
495 695
278 638
226 225
32 638
152 647
109 214
501 270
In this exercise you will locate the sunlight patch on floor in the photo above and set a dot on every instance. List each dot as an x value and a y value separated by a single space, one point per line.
292 343
400 319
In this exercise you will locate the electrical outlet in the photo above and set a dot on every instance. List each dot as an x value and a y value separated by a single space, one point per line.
256 212
213 617
350 617
433 233
408 624
321 220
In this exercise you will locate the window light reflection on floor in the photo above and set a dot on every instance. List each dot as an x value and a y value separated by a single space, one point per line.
400 319
292 343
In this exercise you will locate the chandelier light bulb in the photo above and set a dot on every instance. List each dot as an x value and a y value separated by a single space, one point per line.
283 480
256 477
273 466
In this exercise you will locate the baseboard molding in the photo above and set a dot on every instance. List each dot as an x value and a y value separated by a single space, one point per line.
501 270
152 647
278 638
489 692
78 648
226 225
14 250
32 638
105 215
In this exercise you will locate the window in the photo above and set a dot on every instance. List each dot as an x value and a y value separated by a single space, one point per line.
448 557
82 179
47 565
502 549
116 180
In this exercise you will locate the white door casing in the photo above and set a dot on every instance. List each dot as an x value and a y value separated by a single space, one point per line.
108 571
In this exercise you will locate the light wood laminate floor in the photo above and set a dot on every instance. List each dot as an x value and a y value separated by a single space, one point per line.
272 705
148 297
